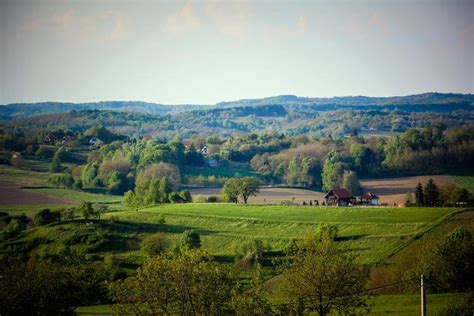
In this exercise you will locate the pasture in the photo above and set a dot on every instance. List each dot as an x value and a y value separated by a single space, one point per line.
375 233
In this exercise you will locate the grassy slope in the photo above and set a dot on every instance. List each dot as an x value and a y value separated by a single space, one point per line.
466 181
37 182
375 232
79 196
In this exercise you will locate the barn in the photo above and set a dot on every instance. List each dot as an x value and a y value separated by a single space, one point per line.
370 199
339 197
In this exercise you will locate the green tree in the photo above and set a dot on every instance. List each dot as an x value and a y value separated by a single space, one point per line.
446 261
189 284
324 278
56 164
46 216
419 195
431 193
350 181
131 200
248 186
332 171
155 244
165 189
231 190
86 210
460 195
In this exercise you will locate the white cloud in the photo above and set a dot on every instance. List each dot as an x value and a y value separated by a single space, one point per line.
230 18
110 25
184 20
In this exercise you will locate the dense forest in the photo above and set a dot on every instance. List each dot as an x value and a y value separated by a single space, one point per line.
98 157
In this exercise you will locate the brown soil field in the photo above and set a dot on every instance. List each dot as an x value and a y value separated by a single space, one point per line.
270 195
393 191
11 194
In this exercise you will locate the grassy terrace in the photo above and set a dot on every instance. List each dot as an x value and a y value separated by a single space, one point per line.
374 232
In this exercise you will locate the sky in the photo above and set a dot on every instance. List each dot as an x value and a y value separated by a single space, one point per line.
203 52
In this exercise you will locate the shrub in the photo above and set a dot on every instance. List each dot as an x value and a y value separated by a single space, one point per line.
186 196
212 199
325 230
155 244
46 216
174 197
190 240
199 199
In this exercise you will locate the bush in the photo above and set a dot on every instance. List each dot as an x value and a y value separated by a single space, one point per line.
69 214
199 199
174 197
186 196
212 199
14 227
46 216
155 244
330 231
190 240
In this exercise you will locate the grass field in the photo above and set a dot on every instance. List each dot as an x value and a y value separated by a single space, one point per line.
375 233
466 181
380 305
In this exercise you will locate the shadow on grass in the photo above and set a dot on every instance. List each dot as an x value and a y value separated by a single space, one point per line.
350 237
126 227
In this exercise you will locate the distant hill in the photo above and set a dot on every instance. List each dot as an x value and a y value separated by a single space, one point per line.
418 102
18 110
432 98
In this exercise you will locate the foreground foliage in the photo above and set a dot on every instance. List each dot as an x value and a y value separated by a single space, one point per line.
323 278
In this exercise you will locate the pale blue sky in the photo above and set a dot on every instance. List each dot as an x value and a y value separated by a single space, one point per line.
208 51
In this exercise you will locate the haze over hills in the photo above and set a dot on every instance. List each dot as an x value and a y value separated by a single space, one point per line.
423 102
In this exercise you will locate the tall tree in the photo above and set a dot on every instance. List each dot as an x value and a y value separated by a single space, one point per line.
231 190
248 187
419 195
350 181
324 278
431 193
332 171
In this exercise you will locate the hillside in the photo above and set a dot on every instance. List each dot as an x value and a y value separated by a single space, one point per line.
419 102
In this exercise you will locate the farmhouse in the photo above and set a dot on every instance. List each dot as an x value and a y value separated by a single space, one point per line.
370 199
339 197
50 138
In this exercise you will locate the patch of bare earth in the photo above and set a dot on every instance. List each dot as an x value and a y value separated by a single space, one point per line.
11 194
270 195
394 191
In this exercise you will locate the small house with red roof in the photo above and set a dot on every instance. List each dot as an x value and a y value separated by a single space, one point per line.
339 197
370 198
